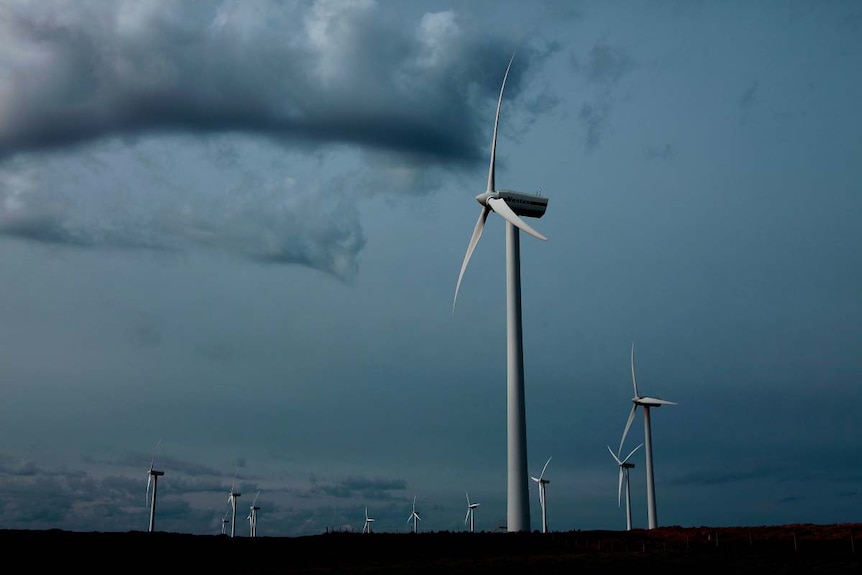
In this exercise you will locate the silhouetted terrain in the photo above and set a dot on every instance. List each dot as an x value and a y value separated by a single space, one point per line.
763 550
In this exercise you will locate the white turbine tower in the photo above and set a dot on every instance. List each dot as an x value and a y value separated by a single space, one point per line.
541 481
414 516
252 516
646 403
471 508
510 205
624 466
231 498
153 478
368 521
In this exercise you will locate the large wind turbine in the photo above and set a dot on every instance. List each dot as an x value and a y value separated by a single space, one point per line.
153 478
541 481
471 508
231 498
646 403
368 521
414 517
252 516
624 466
510 205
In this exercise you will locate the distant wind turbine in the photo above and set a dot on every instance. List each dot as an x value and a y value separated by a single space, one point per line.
368 521
471 508
153 478
231 498
252 516
414 516
624 466
224 522
510 205
646 403
542 482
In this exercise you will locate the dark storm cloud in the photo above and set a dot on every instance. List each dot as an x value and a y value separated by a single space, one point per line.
77 73
313 77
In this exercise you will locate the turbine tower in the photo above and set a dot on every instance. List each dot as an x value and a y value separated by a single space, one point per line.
231 498
471 508
368 521
510 206
542 482
646 403
414 517
252 516
153 478
624 466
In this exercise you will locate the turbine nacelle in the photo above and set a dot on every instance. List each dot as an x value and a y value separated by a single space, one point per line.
526 205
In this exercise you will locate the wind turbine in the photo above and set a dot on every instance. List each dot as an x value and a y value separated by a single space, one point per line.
414 517
153 478
646 403
368 521
471 508
252 516
510 205
224 522
624 466
541 481
231 498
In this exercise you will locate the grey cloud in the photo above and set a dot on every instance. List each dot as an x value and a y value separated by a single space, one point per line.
99 76
369 488
606 64
106 79
253 217
665 152
593 119
603 67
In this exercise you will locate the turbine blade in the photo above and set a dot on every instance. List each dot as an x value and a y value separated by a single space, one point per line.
634 381
614 455
474 239
628 424
467 517
541 475
500 206
149 480
632 453
496 122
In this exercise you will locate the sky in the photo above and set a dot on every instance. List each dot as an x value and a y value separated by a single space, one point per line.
230 233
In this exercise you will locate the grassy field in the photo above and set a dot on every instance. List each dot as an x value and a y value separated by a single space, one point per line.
670 550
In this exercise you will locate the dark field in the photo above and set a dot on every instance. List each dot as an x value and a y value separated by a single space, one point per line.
693 550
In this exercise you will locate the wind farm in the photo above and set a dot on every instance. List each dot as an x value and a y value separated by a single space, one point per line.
242 227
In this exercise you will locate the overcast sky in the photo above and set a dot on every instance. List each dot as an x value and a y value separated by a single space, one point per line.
230 233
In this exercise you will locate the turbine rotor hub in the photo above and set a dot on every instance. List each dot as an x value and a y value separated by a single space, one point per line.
485 196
